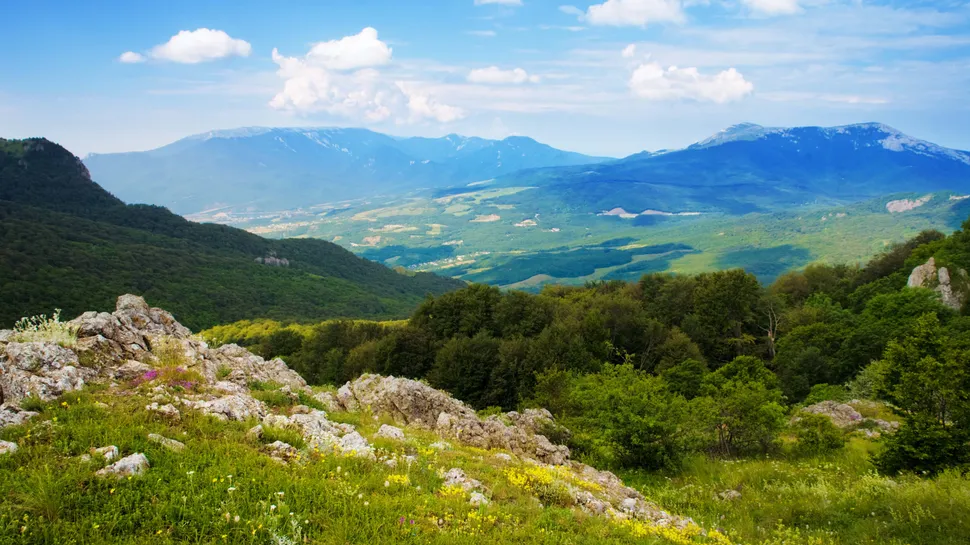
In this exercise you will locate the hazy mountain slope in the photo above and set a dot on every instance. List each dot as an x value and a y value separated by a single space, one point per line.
291 167
748 168
70 244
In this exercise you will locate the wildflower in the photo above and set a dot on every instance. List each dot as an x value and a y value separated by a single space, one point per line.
366 503
280 494
272 508
190 473
231 488
387 484
235 518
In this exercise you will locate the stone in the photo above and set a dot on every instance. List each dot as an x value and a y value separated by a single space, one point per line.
413 403
40 369
729 495
477 499
281 452
953 291
131 370
231 407
12 415
255 433
503 456
6 447
354 444
109 452
129 466
841 414
300 409
457 477
170 444
167 411
390 432
328 400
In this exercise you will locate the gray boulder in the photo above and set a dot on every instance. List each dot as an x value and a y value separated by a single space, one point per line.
170 444
953 291
39 369
6 447
129 466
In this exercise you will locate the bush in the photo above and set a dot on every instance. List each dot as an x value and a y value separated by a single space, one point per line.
816 434
827 392
44 329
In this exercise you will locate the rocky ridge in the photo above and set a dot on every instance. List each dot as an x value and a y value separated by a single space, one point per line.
136 343
953 288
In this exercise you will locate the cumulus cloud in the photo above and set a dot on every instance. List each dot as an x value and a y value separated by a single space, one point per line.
494 75
629 51
652 82
635 12
200 45
422 106
499 2
130 57
773 7
572 10
352 52
340 77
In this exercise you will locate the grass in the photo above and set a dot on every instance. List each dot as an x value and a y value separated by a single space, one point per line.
224 488
835 499
43 329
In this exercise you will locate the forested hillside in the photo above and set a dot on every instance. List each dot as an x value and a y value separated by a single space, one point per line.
644 374
69 244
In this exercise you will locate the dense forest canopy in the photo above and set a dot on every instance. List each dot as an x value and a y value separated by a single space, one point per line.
645 373
68 243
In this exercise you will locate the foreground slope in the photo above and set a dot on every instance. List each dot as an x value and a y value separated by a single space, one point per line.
272 168
70 244
183 443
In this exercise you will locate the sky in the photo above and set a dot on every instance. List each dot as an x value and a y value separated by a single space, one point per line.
610 77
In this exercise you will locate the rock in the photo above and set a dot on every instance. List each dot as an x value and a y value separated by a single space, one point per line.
629 505
328 400
413 403
440 445
390 432
12 415
300 409
953 292
354 444
457 477
129 466
167 411
391 463
6 447
44 370
245 367
282 452
477 499
6 335
842 415
131 370
504 457
170 444
109 452
255 433
729 495
132 303
101 405
230 407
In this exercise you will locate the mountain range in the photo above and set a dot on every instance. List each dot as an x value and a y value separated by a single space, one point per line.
68 243
274 168
749 168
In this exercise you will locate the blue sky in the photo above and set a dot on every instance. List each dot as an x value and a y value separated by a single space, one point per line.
608 77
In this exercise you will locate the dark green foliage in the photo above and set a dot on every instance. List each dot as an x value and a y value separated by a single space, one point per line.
816 434
463 367
69 244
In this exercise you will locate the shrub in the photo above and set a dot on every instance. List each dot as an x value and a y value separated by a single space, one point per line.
43 329
816 434
827 392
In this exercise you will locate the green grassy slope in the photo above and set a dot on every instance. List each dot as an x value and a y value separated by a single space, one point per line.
70 244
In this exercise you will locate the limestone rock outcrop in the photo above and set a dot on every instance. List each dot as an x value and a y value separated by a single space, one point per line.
413 403
953 288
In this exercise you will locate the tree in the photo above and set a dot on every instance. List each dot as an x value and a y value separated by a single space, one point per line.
928 377
463 367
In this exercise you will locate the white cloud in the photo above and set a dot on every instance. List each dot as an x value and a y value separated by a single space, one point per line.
423 106
339 77
499 2
194 46
496 76
572 10
773 7
130 57
352 52
635 12
651 81
482 33
629 51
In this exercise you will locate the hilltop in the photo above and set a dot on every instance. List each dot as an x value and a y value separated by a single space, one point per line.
70 244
